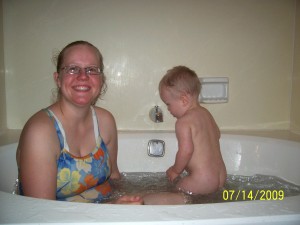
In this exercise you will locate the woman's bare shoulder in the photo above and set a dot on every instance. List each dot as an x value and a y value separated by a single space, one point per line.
38 126
39 120
103 113
38 133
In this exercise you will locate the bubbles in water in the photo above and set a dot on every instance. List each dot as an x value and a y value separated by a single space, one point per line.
15 190
145 183
142 183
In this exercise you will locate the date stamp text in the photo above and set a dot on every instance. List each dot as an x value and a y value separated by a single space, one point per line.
251 195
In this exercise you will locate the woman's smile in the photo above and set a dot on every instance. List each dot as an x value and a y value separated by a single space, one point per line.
81 88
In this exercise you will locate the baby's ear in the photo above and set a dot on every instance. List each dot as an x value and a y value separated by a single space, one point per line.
185 99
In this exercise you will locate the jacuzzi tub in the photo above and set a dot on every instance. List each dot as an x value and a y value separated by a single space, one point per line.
243 155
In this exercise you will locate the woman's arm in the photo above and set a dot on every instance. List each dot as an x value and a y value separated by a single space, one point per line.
36 157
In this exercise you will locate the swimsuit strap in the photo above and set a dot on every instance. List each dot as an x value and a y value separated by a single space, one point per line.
61 132
96 127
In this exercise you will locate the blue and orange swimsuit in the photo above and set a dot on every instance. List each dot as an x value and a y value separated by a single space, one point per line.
82 179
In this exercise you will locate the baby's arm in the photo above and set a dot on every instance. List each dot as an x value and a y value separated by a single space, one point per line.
185 149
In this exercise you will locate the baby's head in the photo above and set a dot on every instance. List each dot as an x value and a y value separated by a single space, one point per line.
181 80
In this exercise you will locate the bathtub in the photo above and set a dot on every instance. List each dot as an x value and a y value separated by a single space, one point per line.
243 155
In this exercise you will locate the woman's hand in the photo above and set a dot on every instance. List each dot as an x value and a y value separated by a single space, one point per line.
130 200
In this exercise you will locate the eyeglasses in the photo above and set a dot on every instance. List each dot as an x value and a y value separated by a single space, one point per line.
76 70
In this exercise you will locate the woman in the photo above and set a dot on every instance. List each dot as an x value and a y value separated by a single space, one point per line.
68 151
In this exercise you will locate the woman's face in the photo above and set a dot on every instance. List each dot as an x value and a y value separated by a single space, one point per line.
80 89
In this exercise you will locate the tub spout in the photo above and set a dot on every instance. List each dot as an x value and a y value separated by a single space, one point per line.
156 114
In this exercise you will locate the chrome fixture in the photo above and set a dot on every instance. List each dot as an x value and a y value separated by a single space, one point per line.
156 114
156 148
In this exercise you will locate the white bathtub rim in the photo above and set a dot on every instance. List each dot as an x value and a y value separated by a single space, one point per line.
31 210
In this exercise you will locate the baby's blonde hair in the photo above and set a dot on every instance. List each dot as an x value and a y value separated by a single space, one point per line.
181 79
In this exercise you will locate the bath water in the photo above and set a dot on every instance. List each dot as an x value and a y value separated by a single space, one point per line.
237 187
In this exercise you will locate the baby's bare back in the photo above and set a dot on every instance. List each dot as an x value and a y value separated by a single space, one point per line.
207 172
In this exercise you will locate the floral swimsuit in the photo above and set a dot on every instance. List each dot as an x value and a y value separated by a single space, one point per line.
83 179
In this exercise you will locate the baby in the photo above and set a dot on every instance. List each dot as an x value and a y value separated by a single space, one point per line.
197 134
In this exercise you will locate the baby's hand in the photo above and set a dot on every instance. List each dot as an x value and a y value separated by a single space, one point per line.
171 174
130 200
